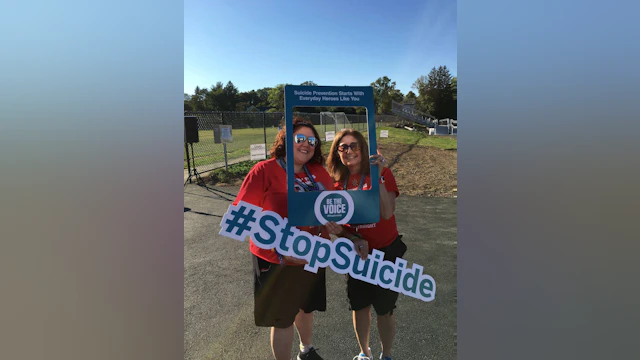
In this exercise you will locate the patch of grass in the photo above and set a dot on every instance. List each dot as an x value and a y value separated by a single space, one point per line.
236 172
206 151
403 136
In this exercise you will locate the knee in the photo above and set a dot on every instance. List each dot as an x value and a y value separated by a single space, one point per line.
365 310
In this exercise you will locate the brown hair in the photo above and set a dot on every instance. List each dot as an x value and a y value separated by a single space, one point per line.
335 167
279 148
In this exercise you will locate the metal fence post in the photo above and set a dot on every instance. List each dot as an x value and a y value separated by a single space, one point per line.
186 149
224 147
264 127
226 163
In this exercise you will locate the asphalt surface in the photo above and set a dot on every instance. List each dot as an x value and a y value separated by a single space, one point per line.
218 287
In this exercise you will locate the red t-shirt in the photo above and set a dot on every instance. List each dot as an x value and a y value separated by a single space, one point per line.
384 232
266 186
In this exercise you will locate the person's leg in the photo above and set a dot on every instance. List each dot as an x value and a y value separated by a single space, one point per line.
387 330
281 342
314 294
362 327
360 295
275 306
304 325
384 302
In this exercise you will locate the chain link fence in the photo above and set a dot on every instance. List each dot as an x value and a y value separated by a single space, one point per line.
257 128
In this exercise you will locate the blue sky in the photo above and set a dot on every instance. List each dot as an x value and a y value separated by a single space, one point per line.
258 44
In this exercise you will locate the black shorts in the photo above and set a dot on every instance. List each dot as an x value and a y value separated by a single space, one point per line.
281 291
362 294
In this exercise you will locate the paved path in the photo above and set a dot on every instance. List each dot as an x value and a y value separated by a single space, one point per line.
218 300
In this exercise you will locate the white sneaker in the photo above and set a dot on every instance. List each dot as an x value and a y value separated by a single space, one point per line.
362 356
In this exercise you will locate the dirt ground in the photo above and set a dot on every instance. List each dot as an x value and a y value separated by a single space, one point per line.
419 170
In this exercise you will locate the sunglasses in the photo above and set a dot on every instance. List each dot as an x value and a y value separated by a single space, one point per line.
299 138
344 147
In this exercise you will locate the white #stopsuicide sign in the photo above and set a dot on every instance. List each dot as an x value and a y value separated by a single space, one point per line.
268 230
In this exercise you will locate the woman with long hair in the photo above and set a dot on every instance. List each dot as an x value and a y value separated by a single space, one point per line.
350 169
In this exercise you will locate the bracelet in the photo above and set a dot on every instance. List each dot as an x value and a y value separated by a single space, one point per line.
356 237
353 238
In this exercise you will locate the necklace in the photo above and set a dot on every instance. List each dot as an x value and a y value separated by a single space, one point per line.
354 182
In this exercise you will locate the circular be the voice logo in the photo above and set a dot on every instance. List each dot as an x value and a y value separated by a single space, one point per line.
334 206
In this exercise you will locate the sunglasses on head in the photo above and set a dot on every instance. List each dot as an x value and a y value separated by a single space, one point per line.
299 138
344 147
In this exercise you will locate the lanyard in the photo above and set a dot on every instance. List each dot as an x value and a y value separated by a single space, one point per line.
314 185
346 182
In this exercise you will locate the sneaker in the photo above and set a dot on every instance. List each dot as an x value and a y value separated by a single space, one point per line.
384 358
312 354
362 356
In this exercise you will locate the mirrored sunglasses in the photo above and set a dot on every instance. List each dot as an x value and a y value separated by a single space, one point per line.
299 138
353 146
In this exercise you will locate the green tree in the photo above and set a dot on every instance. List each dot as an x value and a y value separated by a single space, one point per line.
187 104
397 96
197 101
263 97
229 100
308 83
276 97
410 98
247 100
436 93
384 92
243 101
214 99
454 87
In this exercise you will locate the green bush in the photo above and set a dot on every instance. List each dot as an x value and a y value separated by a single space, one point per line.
236 172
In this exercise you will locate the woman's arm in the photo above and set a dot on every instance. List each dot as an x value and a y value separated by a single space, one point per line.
360 245
387 202
253 187
387 197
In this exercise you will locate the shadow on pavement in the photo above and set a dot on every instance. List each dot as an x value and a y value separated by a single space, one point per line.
218 288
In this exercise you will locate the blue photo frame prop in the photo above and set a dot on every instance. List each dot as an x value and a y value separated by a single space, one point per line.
343 207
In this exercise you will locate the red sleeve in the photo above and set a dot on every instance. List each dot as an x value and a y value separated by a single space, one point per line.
390 181
252 189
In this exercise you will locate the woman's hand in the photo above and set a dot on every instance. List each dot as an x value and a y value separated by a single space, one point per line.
361 246
292 260
334 228
378 160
